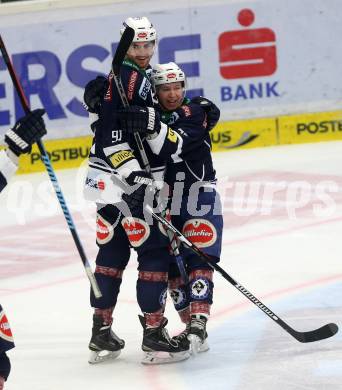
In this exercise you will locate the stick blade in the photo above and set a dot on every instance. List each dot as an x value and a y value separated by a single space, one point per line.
124 44
322 333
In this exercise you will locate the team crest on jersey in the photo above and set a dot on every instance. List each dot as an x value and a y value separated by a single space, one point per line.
200 232
104 230
178 297
199 288
145 88
5 329
131 84
137 230
172 119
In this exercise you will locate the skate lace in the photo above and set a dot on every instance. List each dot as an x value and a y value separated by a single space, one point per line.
167 337
184 334
198 323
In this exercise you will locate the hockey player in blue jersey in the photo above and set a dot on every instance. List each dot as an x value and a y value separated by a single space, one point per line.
195 206
114 154
6 343
19 140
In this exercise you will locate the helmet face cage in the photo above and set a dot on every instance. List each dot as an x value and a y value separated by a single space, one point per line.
143 29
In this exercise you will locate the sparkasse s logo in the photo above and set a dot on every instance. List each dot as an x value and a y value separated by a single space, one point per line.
248 53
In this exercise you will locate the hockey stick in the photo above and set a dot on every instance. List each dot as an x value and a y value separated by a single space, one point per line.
52 175
303 337
123 46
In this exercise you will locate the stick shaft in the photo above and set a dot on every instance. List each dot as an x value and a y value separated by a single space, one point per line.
51 173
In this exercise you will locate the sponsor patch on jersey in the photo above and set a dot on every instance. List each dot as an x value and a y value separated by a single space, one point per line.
104 230
131 84
120 157
201 232
171 135
97 184
137 230
199 288
5 329
178 297
145 88
108 95
187 111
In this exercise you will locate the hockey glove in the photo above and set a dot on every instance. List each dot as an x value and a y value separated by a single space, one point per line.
140 192
144 120
94 92
212 111
26 132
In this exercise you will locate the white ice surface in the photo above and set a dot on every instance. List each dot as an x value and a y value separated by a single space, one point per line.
288 252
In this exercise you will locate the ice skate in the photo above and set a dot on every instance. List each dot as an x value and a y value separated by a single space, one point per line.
182 338
198 335
104 344
159 348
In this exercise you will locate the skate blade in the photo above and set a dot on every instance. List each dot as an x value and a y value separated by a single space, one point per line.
159 357
96 357
196 345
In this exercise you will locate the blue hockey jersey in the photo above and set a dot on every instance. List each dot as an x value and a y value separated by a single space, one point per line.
114 152
6 343
186 146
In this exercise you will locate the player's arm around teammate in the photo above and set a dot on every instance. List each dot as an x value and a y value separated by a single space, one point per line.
186 145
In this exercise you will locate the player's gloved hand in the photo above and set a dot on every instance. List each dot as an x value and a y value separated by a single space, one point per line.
144 120
94 92
212 111
26 132
140 192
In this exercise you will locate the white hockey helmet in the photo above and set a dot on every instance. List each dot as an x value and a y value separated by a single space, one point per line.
143 28
166 74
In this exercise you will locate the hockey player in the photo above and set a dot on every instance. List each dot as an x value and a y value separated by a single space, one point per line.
19 140
186 145
114 152
6 343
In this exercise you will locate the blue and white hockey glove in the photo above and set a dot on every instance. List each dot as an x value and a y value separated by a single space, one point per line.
212 111
140 192
144 120
26 132
94 92
93 95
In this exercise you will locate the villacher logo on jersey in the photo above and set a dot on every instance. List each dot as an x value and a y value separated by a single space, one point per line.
248 53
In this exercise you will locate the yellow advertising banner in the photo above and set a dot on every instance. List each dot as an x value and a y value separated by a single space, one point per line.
228 135
245 134
316 127
63 153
